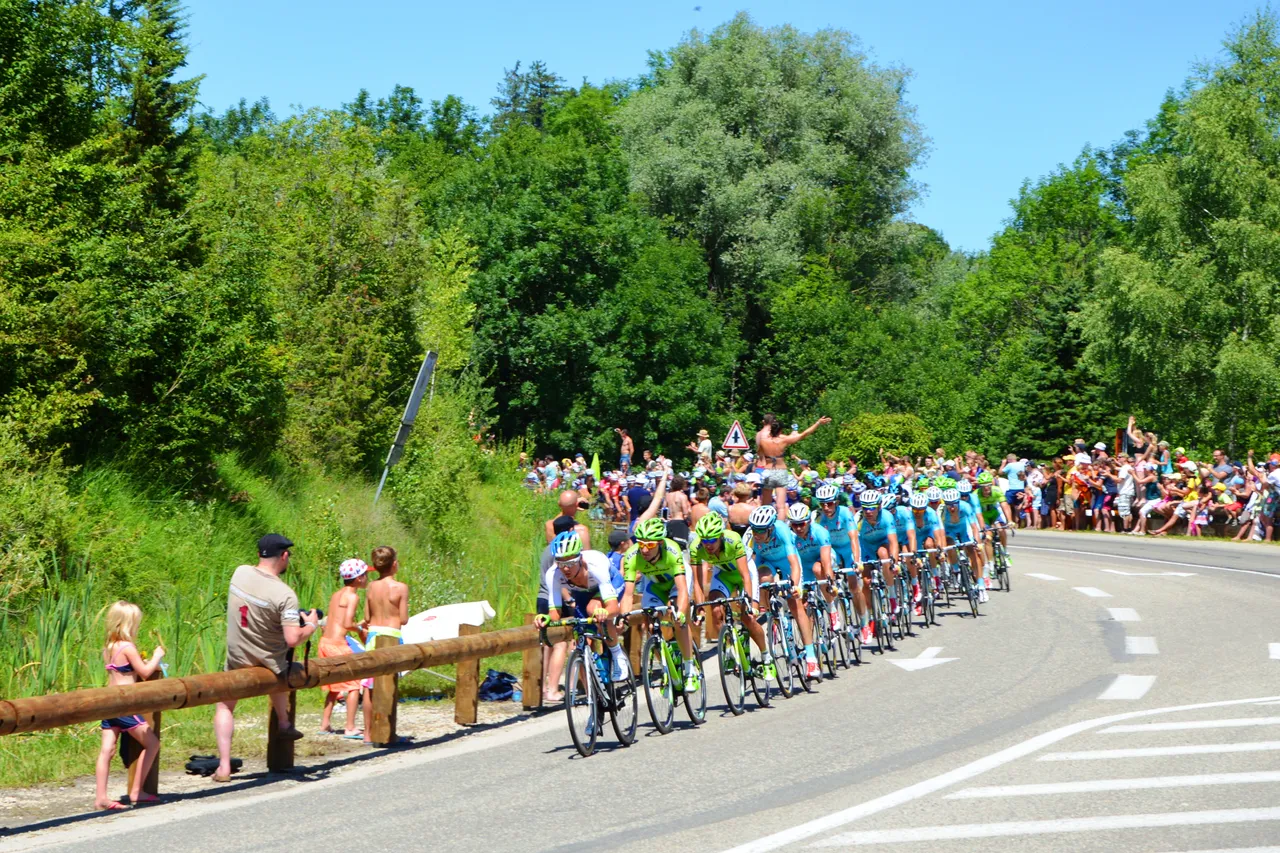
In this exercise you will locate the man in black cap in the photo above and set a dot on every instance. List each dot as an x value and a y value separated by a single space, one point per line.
263 624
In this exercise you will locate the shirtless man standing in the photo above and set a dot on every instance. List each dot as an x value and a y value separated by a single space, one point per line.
628 448
386 609
771 447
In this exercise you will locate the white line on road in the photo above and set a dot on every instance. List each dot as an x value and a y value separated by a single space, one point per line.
959 774
1149 574
1235 850
1140 646
1092 591
1274 650
1044 827
1128 688
1146 560
1090 786
1124 614
1156 751
1192 724
1043 577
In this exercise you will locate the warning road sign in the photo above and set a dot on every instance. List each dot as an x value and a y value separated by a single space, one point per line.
736 439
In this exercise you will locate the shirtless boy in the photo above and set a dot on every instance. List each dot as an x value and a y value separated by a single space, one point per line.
387 602
771 448
333 643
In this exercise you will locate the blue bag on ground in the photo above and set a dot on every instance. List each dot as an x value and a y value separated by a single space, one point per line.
497 686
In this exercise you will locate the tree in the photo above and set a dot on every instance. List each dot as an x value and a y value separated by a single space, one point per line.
866 435
526 96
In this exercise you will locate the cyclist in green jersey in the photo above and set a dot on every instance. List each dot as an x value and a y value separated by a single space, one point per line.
656 565
721 558
994 508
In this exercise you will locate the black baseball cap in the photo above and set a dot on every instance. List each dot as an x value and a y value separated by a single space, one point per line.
273 545
617 537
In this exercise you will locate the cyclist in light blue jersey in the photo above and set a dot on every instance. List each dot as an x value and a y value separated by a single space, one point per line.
877 537
928 526
958 524
814 544
906 526
970 497
840 526
776 557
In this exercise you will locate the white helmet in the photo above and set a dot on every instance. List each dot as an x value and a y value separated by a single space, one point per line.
964 487
919 500
870 499
933 494
826 493
798 514
763 516
951 496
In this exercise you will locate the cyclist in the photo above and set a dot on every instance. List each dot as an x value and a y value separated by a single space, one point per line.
970 497
995 509
906 528
593 585
774 548
656 566
928 526
813 543
877 537
840 526
721 558
958 525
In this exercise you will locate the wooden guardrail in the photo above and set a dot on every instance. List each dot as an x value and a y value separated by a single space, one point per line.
55 710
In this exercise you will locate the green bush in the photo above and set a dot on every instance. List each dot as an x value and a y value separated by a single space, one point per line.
867 434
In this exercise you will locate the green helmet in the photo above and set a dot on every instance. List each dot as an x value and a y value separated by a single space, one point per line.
650 530
569 547
985 479
944 483
710 526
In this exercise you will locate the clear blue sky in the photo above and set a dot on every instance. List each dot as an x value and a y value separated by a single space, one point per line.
1005 91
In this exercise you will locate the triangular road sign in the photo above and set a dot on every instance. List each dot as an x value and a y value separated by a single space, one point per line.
736 439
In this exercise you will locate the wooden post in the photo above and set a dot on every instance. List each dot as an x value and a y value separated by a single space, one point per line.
386 693
151 784
279 749
635 642
466 696
531 676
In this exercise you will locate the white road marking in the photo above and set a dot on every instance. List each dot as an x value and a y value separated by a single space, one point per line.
1043 577
1157 751
1274 650
1192 724
1044 827
927 658
1128 688
1090 786
1092 591
1140 646
1234 850
835 820
1124 614
1149 560
1149 574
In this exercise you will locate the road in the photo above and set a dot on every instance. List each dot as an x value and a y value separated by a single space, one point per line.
1124 696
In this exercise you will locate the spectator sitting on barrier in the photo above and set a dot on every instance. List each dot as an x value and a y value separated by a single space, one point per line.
333 643
263 625
125 666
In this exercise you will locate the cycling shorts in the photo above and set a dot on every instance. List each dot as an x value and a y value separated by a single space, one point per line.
729 583
843 557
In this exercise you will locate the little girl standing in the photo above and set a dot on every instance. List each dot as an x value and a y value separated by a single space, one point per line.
125 666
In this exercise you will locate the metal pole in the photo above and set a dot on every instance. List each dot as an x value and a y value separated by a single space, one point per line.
426 376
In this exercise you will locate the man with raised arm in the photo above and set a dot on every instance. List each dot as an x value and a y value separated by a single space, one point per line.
771 447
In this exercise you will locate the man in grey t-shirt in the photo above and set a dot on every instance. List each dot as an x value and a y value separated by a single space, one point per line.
263 624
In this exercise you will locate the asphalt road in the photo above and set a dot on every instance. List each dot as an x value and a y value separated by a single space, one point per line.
1124 696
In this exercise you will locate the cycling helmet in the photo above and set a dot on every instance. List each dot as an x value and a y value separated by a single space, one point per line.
849 480
919 500
945 483
798 514
569 547
763 517
858 487
985 479
951 496
888 501
870 499
933 494
650 530
964 487
710 526
922 483
875 480
826 494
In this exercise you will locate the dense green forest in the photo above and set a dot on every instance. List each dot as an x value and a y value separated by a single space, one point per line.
185 293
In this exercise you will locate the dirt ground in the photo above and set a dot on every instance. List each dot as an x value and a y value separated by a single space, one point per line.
424 722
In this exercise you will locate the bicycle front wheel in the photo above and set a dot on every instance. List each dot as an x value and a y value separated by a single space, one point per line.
625 713
659 692
780 649
759 684
840 638
582 704
695 701
733 669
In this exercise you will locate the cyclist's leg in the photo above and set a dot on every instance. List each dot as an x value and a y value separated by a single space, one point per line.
715 588
684 634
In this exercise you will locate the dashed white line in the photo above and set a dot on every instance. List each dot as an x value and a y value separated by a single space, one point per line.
1044 827
1147 560
1128 688
1187 725
1274 650
1043 577
1159 751
1124 614
1090 786
1140 646
1092 591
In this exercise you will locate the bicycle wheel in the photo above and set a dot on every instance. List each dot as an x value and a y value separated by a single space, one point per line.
827 650
840 639
852 632
1003 567
582 704
780 649
905 607
625 710
733 670
659 693
971 590
944 586
759 685
879 602
696 702
798 661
